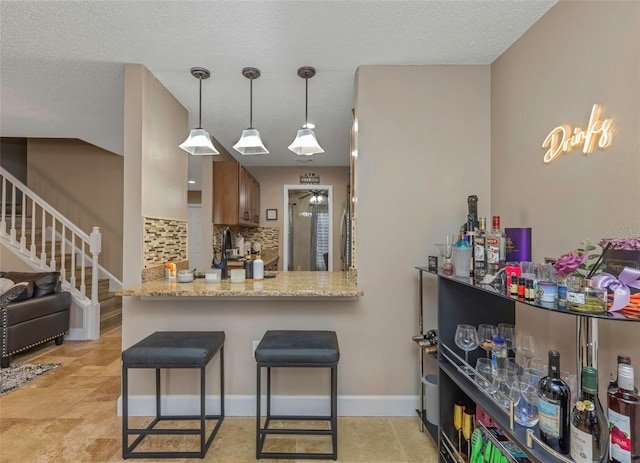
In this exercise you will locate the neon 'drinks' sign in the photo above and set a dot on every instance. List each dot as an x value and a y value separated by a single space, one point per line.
562 139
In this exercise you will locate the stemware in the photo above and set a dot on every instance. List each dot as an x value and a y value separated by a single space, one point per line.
467 427
486 333
525 347
507 332
458 411
466 338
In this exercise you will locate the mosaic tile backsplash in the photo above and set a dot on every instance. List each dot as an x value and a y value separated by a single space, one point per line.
268 237
165 240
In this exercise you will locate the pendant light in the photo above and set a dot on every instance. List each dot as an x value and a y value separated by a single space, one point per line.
305 143
198 143
250 142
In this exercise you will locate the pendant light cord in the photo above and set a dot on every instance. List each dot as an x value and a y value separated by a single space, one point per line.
200 105
251 103
306 101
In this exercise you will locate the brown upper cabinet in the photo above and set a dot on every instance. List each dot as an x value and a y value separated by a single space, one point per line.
236 195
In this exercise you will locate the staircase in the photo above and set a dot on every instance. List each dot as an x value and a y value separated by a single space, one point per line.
110 304
30 224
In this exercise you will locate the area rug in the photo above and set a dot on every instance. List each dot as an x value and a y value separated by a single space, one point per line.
20 374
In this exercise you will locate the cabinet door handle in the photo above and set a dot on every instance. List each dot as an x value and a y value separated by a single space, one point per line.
256 219
246 215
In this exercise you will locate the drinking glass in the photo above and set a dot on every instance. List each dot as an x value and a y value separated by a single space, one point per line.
503 381
484 378
507 332
526 412
445 251
467 428
458 411
486 334
525 347
466 338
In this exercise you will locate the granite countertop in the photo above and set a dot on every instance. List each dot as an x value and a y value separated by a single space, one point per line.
285 284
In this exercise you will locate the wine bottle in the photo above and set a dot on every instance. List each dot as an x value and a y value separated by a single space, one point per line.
554 397
589 426
624 418
613 383
479 254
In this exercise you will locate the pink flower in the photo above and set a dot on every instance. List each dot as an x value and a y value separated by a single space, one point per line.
569 263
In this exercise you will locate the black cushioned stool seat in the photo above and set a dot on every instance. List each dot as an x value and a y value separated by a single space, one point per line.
292 349
172 349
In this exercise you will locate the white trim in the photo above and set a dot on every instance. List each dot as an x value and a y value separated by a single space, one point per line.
245 405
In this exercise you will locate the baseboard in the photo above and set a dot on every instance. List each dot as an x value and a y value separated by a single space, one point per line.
76 334
245 405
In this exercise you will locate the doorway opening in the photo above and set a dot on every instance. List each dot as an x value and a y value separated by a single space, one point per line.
308 225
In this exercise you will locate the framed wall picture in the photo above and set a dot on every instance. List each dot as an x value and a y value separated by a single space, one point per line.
272 214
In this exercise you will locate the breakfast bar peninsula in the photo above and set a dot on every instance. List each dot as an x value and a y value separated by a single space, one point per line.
281 285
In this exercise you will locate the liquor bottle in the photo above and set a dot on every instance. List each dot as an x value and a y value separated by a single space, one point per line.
554 397
479 252
613 382
495 247
589 426
624 418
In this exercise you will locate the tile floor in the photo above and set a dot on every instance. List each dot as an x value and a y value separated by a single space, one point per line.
69 416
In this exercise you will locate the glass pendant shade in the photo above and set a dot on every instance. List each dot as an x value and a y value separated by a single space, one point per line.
250 143
198 143
305 143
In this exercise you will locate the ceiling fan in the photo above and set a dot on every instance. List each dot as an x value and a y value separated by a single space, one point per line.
317 196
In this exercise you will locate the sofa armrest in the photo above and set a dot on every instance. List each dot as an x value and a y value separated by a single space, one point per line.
19 312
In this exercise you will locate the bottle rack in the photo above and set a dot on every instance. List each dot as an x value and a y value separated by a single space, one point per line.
463 368
450 448
531 438
460 300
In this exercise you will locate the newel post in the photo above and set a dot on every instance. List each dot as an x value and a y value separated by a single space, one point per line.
95 246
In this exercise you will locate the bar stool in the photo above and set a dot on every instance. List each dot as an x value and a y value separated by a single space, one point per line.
172 349
295 349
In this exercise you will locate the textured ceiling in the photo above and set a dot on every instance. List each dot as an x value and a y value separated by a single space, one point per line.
61 63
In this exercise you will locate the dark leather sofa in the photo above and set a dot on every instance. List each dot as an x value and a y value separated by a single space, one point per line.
31 322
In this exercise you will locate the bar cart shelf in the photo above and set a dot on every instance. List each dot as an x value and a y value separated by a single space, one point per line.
460 300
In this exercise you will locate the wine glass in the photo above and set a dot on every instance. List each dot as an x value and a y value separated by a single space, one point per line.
467 427
486 334
458 411
466 338
525 347
507 332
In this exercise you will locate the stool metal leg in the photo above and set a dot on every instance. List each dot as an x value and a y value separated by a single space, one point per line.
125 411
258 400
334 410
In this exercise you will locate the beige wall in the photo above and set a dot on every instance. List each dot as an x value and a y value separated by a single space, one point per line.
423 147
377 356
272 181
155 178
84 183
578 54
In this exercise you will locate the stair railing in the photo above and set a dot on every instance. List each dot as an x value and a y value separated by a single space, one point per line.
57 233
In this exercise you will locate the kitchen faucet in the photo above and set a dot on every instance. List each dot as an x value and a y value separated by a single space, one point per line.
226 244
